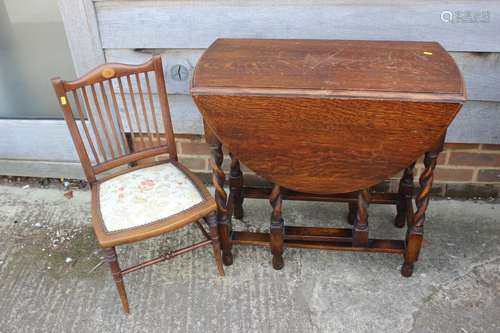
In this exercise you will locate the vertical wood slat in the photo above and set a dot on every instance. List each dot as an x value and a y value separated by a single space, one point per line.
111 146
103 123
143 106
127 113
93 123
119 145
134 105
167 120
152 107
84 125
73 129
118 116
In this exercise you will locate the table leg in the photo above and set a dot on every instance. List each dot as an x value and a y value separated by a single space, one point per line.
277 230
415 233
223 218
405 192
360 232
235 186
353 211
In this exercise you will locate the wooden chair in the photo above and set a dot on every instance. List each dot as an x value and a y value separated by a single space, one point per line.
118 127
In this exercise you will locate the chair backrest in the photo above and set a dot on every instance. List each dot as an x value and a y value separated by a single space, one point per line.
117 107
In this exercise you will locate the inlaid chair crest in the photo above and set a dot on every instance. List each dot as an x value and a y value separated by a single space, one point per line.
117 120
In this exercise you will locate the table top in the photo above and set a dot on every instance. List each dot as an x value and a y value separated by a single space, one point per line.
337 68
327 116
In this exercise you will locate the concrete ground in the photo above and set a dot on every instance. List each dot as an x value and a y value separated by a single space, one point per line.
51 280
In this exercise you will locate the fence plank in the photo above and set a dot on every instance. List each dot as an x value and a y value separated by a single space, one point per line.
477 122
481 73
467 25
38 168
49 140
80 25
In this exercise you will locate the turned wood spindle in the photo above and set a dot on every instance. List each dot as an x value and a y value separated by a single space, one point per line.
235 186
112 259
353 211
360 228
211 221
224 219
415 233
277 228
405 192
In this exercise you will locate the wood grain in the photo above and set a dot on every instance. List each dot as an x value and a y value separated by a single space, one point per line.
196 23
327 116
334 68
481 71
325 145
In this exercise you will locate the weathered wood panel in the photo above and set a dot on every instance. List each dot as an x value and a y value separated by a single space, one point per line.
477 122
37 168
36 140
481 70
467 25
50 140
481 73
80 25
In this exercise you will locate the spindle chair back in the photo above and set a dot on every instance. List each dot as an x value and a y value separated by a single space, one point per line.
122 123
115 121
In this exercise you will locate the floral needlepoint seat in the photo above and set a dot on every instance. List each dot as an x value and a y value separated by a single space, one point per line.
146 196
147 201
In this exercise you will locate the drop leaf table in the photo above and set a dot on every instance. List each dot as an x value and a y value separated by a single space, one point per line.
325 120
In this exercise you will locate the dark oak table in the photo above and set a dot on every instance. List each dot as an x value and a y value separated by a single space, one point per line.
325 120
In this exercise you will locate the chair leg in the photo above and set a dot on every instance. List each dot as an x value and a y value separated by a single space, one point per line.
112 259
277 228
214 235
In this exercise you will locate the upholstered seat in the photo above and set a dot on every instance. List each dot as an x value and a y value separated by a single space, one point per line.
154 196
146 195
